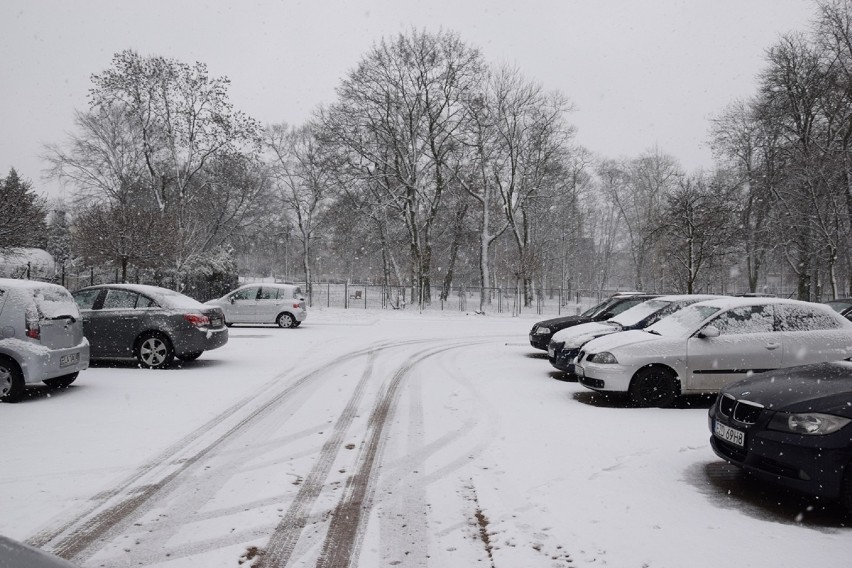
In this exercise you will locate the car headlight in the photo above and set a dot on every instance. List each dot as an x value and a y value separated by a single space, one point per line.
809 423
604 358
542 331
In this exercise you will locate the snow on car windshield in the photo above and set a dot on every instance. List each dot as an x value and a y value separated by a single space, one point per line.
683 321
639 312
54 302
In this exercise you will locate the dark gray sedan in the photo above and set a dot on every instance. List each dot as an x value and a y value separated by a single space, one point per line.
151 324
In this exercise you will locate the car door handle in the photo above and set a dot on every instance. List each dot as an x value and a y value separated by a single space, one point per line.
772 346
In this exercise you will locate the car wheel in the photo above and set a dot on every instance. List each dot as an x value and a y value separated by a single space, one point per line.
286 320
653 386
61 382
296 323
154 351
190 356
11 380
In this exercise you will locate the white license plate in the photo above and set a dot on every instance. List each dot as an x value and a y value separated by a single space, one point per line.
70 359
729 434
579 371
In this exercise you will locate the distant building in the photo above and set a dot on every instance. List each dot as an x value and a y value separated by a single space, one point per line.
33 263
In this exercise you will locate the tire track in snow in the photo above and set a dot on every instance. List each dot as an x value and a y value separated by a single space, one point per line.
289 530
348 521
81 537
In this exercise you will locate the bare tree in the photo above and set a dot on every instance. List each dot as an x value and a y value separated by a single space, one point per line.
303 174
395 118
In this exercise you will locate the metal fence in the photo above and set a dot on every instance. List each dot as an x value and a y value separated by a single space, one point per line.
555 301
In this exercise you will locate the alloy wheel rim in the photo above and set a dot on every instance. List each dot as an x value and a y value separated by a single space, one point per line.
153 352
5 381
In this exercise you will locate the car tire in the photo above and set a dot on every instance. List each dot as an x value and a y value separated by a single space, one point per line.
190 356
653 386
154 351
61 382
297 323
11 380
286 319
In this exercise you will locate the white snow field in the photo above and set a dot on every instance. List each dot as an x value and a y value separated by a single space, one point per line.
368 438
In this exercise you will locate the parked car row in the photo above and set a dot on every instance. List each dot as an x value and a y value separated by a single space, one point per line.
780 368
49 335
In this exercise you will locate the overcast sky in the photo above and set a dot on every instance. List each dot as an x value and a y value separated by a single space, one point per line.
639 73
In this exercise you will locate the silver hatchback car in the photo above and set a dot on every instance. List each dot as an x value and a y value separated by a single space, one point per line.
41 337
264 303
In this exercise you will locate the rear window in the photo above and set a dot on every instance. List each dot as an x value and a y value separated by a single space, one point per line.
172 299
53 302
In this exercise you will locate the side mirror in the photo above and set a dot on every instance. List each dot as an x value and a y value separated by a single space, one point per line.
709 332
232 299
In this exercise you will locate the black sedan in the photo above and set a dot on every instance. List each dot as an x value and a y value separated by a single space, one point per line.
790 427
151 324
543 331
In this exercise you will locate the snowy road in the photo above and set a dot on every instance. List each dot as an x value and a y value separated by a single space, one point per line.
383 439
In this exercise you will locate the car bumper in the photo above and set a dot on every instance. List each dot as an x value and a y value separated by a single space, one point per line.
540 341
615 378
814 465
200 339
38 366
563 359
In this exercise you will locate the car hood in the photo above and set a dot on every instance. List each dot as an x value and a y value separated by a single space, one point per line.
563 322
622 339
579 334
824 387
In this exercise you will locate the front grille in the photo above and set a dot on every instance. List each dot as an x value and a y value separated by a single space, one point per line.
742 411
568 354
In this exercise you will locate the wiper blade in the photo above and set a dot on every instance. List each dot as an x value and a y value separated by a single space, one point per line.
64 316
654 332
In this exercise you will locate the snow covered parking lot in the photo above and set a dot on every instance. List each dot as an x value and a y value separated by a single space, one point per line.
384 439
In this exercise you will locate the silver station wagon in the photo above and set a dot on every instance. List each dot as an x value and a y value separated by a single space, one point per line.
41 337
264 303
151 324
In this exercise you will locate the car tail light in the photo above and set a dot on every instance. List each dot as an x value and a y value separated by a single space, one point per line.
32 326
297 306
197 320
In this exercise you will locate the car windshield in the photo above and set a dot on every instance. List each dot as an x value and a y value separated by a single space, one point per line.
839 305
683 322
597 309
639 312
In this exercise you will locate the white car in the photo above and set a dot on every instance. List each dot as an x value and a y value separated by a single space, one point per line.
702 347
566 343
41 337
264 303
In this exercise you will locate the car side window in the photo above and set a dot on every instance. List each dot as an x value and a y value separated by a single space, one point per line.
268 293
246 294
746 319
297 292
85 299
120 300
802 318
145 302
